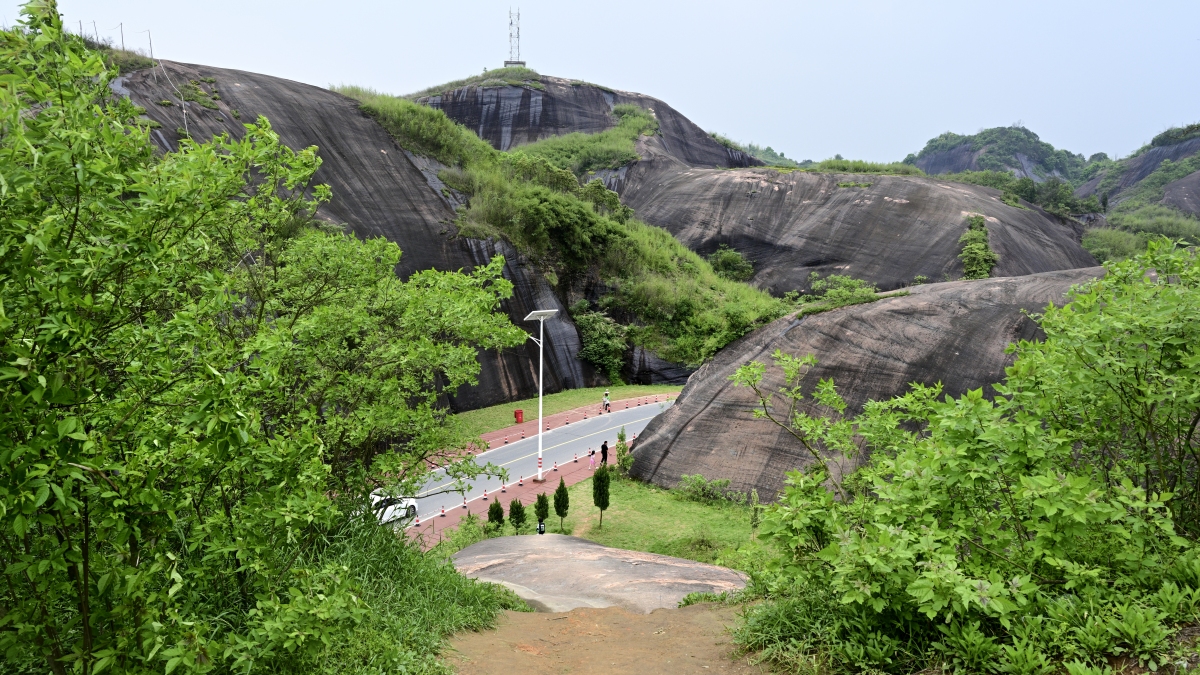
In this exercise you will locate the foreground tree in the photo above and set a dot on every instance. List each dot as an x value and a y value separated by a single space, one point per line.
1053 524
191 370
516 514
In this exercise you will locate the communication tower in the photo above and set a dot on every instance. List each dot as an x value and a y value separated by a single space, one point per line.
514 39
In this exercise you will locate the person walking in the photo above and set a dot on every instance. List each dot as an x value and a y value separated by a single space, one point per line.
607 402
591 459
604 453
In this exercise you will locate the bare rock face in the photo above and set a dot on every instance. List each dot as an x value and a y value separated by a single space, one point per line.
790 225
1184 194
378 190
1137 168
954 333
557 573
510 116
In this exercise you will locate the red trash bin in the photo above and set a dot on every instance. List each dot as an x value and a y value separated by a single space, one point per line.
520 415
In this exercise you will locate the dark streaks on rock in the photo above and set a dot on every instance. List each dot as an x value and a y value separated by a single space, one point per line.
954 333
377 191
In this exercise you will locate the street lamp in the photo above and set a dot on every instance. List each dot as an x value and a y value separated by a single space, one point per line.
540 315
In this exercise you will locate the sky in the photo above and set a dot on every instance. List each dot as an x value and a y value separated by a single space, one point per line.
866 79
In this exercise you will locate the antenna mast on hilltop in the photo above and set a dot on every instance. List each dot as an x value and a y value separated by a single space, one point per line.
514 39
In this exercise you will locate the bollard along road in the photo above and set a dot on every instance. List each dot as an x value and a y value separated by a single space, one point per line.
519 457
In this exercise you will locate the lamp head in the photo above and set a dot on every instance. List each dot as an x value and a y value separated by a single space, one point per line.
541 314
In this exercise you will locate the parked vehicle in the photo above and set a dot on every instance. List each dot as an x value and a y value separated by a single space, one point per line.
393 509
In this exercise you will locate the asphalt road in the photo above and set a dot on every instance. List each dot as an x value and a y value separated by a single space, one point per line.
519 457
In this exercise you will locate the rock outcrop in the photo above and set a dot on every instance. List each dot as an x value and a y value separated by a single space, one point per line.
1184 194
790 225
1135 169
557 573
509 116
378 190
954 333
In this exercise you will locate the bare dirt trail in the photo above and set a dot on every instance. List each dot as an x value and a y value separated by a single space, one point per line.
605 641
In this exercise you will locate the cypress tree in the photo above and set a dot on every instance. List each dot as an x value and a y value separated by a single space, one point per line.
562 501
496 515
541 507
516 514
600 481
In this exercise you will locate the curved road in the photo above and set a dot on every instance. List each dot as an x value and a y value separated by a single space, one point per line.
519 458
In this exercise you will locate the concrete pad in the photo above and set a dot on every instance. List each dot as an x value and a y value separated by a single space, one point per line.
557 573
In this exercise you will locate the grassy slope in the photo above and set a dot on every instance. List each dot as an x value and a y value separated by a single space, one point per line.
611 149
680 308
476 422
501 77
642 517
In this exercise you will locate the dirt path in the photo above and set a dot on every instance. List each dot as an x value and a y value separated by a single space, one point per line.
604 642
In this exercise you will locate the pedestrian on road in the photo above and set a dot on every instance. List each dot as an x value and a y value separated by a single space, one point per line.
607 403
604 453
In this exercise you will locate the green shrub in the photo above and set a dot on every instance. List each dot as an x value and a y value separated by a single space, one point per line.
699 489
624 458
511 76
1107 244
1043 527
730 264
977 257
1176 135
603 340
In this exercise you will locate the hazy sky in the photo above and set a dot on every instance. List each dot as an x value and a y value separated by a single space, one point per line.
871 80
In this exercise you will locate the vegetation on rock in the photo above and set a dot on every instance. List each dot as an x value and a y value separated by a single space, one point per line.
582 154
1052 528
670 298
977 257
1001 145
728 263
511 76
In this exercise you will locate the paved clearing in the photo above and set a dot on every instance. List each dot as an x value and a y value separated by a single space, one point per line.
605 641
557 573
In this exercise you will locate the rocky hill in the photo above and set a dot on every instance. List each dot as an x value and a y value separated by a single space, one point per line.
1120 178
1014 149
511 114
885 229
378 190
954 333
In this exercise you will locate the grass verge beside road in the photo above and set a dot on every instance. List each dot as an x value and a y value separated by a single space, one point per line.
478 422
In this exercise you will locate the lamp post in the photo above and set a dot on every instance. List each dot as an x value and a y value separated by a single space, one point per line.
540 315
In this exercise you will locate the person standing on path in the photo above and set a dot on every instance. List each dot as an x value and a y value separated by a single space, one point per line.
604 453
591 459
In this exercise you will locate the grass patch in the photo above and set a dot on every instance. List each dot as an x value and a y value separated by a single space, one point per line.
512 76
849 184
124 60
610 149
417 600
644 517
671 300
477 422
859 166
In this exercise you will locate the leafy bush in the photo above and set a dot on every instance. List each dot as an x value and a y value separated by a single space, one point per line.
672 301
624 458
832 292
977 257
603 340
201 387
699 489
730 264
1052 525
